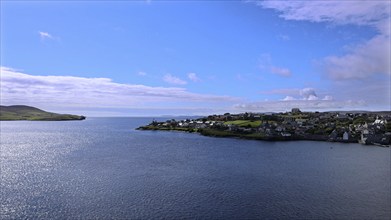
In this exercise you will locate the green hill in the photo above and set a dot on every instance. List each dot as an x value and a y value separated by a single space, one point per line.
23 112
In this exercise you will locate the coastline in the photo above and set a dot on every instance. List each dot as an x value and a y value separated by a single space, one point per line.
251 136
369 128
81 118
29 113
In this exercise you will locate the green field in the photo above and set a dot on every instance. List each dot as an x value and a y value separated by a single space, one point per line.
23 112
244 123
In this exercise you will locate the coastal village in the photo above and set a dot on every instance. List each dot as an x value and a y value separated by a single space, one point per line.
350 127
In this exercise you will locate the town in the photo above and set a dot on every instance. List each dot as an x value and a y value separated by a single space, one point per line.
373 128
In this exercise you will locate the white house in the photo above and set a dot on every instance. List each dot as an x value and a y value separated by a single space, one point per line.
379 121
345 136
285 134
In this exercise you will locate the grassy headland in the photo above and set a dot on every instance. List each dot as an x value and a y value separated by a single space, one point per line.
347 127
23 112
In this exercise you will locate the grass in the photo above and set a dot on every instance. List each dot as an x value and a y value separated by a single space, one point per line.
22 112
244 123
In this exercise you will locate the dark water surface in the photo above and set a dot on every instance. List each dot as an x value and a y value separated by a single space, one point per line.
102 168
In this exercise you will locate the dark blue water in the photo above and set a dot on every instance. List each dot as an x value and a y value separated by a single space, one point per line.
102 168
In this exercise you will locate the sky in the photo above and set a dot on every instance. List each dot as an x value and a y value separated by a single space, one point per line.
152 58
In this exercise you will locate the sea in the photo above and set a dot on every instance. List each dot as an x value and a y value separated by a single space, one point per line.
102 168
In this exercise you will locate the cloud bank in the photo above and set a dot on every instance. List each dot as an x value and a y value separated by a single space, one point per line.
363 60
307 105
99 96
299 94
66 91
306 99
339 12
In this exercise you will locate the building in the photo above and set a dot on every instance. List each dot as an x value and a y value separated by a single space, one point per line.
345 136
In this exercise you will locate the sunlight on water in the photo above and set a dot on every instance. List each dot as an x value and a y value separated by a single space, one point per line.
103 168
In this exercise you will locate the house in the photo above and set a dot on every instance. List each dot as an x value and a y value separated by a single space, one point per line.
379 121
364 136
345 136
333 135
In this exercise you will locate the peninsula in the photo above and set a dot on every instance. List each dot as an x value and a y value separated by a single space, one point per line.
349 127
23 112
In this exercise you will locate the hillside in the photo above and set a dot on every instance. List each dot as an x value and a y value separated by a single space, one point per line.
23 112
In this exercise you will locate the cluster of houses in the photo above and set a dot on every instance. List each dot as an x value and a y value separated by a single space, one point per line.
362 127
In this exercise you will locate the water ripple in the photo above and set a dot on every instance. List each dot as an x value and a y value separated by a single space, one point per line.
102 168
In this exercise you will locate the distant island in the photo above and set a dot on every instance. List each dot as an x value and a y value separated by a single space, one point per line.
348 127
24 112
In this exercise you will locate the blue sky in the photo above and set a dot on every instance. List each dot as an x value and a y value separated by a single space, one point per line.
195 58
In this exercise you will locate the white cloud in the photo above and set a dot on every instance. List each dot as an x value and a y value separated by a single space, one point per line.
371 94
363 60
289 98
280 71
375 91
338 12
297 94
142 73
265 63
193 77
307 105
308 94
80 94
45 35
66 91
173 80
364 70
312 98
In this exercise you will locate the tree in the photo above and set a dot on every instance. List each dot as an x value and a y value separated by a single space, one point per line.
388 127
